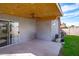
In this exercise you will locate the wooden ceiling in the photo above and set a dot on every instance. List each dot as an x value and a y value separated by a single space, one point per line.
31 10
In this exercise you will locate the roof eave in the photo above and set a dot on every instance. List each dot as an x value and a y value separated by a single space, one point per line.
59 7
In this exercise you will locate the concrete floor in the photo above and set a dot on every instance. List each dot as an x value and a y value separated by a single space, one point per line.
33 48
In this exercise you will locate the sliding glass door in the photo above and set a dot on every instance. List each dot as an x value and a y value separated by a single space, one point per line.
9 32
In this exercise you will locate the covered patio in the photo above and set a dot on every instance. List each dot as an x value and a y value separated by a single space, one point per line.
38 25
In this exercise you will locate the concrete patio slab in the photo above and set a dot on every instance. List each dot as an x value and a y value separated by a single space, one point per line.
33 47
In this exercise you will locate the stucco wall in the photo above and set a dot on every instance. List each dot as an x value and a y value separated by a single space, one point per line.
54 28
44 29
26 26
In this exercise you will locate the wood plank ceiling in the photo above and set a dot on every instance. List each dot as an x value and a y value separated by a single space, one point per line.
31 10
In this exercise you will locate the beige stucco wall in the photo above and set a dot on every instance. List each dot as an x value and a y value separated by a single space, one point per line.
26 26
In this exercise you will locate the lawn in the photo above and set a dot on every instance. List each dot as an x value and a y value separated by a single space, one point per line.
71 46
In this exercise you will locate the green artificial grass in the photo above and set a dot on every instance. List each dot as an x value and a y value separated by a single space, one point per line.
71 46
